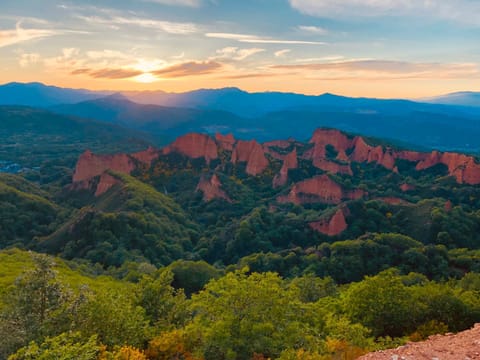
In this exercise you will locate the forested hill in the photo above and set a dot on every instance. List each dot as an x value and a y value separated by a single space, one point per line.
332 229
340 205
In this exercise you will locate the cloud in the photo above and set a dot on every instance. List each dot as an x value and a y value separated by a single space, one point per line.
323 59
281 53
28 59
179 28
313 30
464 11
190 68
237 54
383 69
68 59
107 54
18 35
188 3
253 39
179 56
107 73
249 75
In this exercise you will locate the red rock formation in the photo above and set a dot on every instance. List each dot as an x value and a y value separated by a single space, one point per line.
282 144
225 142
323 137
385 158
413 156
290 162
251 152
319 189
392 200
194 146
361 150
333 226
448 206
90 165
462 167
105 183
147 156
212 189
430 160
407 187
332 167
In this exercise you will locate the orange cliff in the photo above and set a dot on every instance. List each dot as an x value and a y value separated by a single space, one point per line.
333 226
147 156
318 153
212 189
105 183
226 142
289 162
319 189
253 154
194 146
462 167
90 165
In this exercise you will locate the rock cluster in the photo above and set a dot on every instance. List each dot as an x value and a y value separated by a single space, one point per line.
330 150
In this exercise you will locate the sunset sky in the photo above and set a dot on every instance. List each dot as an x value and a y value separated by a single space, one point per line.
375 48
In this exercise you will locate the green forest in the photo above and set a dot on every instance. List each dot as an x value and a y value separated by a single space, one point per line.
151 270
52 309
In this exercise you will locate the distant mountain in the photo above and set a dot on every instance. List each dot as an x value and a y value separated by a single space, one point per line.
398 120
40 95
252 105
264 116
167 122
463 98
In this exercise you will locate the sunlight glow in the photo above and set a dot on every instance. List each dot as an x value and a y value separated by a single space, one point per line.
145 78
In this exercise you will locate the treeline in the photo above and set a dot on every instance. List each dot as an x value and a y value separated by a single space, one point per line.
237 315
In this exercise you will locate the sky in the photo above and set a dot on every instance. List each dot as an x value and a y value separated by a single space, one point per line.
372 48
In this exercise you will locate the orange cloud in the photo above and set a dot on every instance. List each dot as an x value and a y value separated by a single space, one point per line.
108 73
384 69
190 68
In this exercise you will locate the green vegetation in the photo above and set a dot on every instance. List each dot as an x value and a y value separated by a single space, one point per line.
149 270
47 145
50 310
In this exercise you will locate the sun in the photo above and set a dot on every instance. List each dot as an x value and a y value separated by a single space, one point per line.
145 78
147 67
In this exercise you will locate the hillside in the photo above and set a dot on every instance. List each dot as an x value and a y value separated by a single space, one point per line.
253 200
48 143
127 220
347 244
321 204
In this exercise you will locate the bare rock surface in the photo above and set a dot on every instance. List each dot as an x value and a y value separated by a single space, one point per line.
462 346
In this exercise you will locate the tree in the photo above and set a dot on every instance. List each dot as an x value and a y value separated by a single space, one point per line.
114 316
239 315
64 346
164 306
382 303
35 307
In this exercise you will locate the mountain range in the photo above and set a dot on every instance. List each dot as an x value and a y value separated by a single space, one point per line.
264 116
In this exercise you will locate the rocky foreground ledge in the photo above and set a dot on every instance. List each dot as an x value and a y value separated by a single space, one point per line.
462 346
